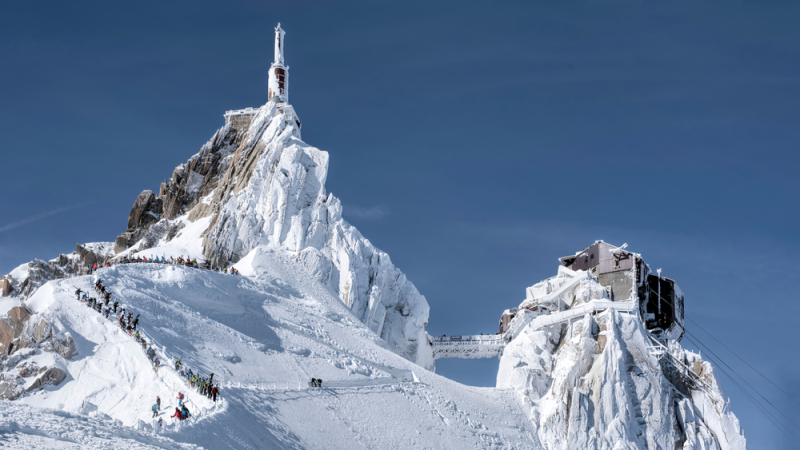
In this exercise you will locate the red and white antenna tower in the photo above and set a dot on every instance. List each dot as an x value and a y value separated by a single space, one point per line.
278 72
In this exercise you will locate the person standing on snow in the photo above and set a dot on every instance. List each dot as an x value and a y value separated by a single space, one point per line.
158 402
178 414
214 392
155 410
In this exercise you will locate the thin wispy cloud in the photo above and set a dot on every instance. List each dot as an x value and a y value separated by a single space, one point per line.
39 216
371 213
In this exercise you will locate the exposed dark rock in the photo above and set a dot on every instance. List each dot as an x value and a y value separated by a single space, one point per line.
29 369
65 347
5 288
40 272
121 243
53 376
90 259
181 193
12 326
139 209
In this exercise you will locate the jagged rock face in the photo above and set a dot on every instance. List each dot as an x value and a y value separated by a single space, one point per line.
53 376
189 183
592 383
146 210
19 332
22 335
39 272
5 287
263 186
12 326
11 386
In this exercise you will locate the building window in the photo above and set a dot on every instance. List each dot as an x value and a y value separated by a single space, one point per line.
592 256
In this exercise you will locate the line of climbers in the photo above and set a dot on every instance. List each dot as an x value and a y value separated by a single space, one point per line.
204 386
181 261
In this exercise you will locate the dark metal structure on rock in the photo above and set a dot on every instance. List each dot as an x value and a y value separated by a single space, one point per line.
627 278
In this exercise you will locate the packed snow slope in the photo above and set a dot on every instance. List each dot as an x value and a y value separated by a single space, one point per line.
264 338
262 185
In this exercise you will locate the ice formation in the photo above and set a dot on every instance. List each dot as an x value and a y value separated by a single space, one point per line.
599 380
270 191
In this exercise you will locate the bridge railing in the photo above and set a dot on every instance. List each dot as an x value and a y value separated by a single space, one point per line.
486 339
239 112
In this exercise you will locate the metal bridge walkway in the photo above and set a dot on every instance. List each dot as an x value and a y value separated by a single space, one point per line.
487 346
469 347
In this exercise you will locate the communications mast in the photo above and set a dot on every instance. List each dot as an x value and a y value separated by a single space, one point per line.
278 72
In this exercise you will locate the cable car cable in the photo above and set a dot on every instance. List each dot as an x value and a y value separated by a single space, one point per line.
748 364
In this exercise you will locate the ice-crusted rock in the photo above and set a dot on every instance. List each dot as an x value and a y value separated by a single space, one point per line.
29 369
592 382
11 386
26 279
264 186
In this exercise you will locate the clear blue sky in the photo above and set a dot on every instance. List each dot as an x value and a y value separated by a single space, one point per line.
475 142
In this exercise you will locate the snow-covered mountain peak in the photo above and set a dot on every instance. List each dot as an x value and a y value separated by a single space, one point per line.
256 183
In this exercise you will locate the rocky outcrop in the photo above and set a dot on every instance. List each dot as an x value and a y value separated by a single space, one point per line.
11 386
40 333
29 369
189 183
263 186
146 210
18 332
12 326
121 243
5 287
52 376
39 272
23 335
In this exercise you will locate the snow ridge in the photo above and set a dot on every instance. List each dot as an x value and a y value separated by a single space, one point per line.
262 186
593 382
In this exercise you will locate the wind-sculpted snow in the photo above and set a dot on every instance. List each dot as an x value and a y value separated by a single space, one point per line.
593 382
